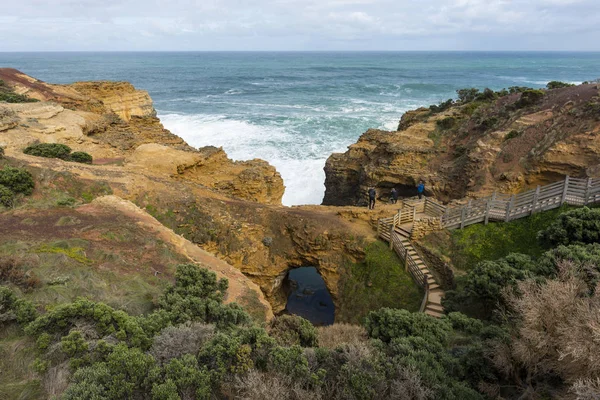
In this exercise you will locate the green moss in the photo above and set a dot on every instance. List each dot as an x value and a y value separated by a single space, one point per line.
379 281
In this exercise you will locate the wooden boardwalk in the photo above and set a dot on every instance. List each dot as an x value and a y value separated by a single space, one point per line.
506 207
397 230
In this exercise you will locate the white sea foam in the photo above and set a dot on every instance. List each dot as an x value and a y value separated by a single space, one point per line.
300 161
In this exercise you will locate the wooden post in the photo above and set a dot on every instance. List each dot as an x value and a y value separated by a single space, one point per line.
587 191
565 190
535 199
405 260
392 234
509 208
414 213
463 215
488 207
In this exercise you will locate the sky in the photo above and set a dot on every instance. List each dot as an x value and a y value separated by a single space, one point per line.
296 25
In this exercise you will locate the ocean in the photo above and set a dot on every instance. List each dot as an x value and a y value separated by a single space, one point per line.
295 109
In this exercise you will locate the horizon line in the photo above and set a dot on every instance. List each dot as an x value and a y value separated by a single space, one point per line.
299 51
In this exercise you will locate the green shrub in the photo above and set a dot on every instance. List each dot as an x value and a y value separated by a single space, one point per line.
467 95
14 309
446 123
387 324
81 157
1 153
558 85
6 196
480 292
18 180
529 97
9 96
291 330
512 134
443 106
585 257
49 150
198 296
580 226
486 95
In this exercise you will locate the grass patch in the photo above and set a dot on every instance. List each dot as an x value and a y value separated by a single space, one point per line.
481 242
75 253
17 378
379 281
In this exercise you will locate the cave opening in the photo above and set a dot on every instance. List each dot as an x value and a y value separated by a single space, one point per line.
308 296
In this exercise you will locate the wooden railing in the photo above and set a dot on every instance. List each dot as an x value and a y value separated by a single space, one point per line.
433 208
410 265
504 207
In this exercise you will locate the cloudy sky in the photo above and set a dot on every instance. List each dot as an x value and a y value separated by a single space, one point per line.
35 25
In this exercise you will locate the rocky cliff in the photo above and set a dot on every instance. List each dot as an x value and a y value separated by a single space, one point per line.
229 209
506 141
117 123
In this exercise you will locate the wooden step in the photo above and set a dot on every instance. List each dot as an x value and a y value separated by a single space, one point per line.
434 286
433 313
434 307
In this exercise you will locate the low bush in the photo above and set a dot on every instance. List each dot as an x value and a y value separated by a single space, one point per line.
580 226
479 293
387 324
18 180
443 106
81 157
1 153
335 335
446 123
512 134
9 96
13 308
558 85
12 272
177 341
49 150
529 97
467 95
6 196
291 330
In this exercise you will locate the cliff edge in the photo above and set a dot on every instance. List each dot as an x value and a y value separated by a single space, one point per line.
506 141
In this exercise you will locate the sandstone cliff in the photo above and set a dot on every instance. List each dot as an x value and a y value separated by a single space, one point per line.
117 123
229 209
508 143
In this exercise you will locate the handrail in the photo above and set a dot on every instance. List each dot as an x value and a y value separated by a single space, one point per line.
503 207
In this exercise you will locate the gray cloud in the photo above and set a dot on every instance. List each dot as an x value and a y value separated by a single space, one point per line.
300 25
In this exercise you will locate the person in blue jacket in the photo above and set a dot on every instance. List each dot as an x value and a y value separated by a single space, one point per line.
420 189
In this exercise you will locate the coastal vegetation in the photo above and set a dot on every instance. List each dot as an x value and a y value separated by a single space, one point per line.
57 150
8 95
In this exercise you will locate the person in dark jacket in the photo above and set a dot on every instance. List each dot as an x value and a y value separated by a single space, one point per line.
394 195
421 189
372 194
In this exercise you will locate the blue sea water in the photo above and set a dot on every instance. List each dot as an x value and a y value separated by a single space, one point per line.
295 109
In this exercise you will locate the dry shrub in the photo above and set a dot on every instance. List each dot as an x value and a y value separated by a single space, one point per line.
587 389
56 379
334 335
557 329
407 385
176 341
271 386
11 271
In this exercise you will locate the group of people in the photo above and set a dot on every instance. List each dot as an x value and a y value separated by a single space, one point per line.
393 194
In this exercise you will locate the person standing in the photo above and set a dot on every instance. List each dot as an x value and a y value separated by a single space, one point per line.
372 194
421 189
394 196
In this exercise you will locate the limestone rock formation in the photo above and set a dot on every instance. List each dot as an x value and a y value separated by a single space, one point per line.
117 123
471 149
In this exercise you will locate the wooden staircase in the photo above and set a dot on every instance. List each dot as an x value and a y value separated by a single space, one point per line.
432 303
